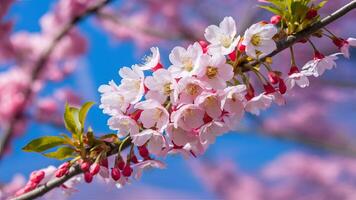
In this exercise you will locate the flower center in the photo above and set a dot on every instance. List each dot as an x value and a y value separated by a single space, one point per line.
225 41
167 88
211 72
188 65
256 40
192 89
209 101
137 85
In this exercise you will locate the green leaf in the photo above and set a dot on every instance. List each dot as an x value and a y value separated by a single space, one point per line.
321 4
71 119
44 143
61 153
84 111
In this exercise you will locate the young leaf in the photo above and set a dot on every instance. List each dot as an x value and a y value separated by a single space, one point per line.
61 153
84 111
71 119
44 143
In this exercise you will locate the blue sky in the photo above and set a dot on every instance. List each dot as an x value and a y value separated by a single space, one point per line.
99 66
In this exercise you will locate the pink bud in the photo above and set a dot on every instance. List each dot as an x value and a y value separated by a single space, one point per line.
37 176
115 174
30 186
85 166
88 177
64 165
61 172
127 171
94 169
275 19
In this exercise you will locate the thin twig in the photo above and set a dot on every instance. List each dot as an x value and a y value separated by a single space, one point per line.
39 66
281 46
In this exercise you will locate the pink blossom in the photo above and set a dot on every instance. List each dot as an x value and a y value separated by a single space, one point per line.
188 89
215 71
257 103
153 114
211 103
124 125
320 63
161 85
185 62
132 86
139 167
188 117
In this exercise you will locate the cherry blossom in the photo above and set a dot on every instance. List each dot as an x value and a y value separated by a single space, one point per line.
155 140
153 114
210 131
160 85
215 71
152 61
188 89
319 64
344 45
113 102
257 103
185 62
124 125
258 39
132 83
188 117
222 38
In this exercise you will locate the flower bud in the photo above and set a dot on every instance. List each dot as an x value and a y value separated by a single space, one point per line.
88 177
94 169
30 186
312 12
115 173
134 159
120 164
339 42
85 166
127 170
37 176
61 172
275 19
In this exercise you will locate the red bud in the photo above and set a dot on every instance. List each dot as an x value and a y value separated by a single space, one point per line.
275 19
115 174
127 171
88 177
143 151
311 13
94 169
85 166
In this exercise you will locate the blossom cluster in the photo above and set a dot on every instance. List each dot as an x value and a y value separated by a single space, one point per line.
205 91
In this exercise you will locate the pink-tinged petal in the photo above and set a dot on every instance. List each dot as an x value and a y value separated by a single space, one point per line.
228 26
212 33
226 72
142 137
146 119
352 41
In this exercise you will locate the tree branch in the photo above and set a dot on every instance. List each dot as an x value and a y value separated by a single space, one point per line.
38 67
75 170
292 39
